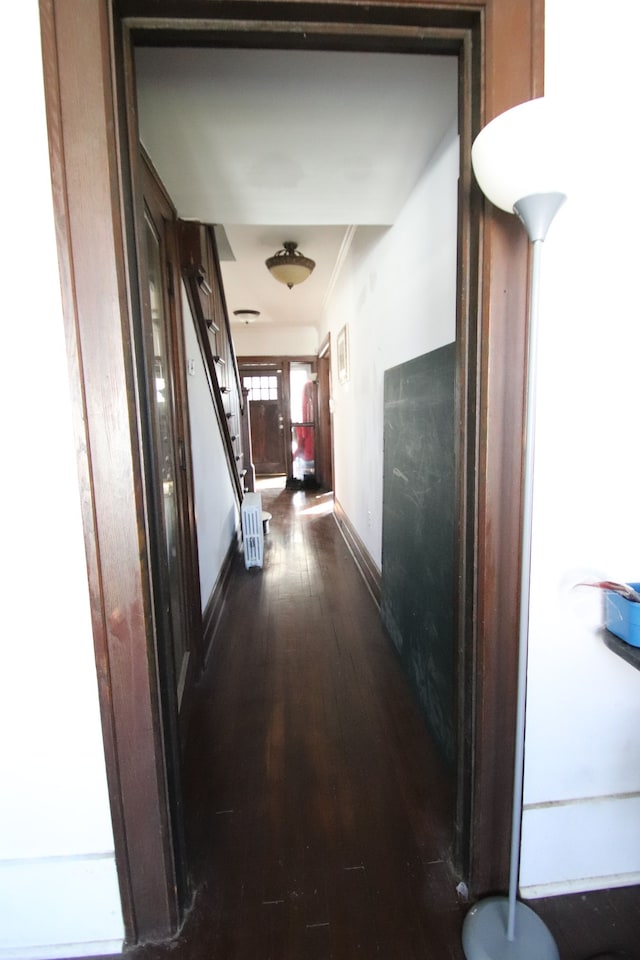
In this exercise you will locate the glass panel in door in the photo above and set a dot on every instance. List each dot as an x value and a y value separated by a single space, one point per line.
162 412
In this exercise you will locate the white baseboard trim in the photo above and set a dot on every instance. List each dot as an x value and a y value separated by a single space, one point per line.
59 951
60 906
584 885
570 846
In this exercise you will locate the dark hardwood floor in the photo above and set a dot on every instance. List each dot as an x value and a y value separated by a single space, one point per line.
318 811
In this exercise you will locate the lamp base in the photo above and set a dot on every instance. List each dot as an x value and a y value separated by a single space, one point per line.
484 933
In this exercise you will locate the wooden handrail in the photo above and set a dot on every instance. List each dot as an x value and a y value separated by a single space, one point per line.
203 283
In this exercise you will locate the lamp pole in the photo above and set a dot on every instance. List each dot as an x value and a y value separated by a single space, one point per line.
536 213
504 928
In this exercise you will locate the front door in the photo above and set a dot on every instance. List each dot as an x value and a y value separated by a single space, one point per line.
267 419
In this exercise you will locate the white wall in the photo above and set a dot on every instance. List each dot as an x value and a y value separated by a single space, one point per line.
254 340
397 295
58 887
215 505
58 892
581 825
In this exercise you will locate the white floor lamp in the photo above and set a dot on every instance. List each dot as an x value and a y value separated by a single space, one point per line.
515 160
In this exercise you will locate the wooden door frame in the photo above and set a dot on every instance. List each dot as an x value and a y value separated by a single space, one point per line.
325 416
500 48
266 363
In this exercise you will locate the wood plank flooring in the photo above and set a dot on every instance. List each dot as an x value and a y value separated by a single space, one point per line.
319 814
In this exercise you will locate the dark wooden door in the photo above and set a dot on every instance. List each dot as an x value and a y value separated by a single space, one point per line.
267 421
324 458
161 337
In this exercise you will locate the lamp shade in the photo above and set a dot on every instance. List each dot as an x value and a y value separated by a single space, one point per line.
289 266
520 153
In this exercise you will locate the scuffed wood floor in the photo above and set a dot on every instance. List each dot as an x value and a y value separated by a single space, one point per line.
319 815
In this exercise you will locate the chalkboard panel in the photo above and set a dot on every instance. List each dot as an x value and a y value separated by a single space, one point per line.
418 532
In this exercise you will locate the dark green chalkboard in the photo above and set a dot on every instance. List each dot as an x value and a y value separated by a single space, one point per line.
419 532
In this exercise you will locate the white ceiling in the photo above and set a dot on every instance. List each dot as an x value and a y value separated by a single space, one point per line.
290 145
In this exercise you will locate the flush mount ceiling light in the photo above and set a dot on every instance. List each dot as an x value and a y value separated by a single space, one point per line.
289 266
247 316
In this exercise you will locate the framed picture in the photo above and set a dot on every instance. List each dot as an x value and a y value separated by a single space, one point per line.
343 354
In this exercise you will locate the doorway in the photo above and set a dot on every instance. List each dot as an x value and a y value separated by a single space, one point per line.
267 417
97 266
285 399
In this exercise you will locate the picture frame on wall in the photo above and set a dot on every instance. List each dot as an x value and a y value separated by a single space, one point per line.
343 354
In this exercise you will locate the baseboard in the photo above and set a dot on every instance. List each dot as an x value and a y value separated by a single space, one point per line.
583 885
65 951
213 610
589 843
364 561
60 906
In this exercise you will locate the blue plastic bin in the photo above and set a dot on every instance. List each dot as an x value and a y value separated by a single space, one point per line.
623 616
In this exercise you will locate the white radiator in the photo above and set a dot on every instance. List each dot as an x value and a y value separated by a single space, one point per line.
252 531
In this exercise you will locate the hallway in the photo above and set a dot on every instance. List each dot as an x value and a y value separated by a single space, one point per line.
313 792
319 815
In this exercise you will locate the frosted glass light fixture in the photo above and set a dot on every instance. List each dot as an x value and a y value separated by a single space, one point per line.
289 266
517 161
518 156
246 316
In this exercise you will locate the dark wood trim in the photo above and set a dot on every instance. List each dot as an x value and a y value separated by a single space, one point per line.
274 361
502 44
469 214
324 445
325 347
177 606
249 468
285 387
56 134
513 72
215 604
247 365
78 58
280 368
364 561
151 189
200 261
231 350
